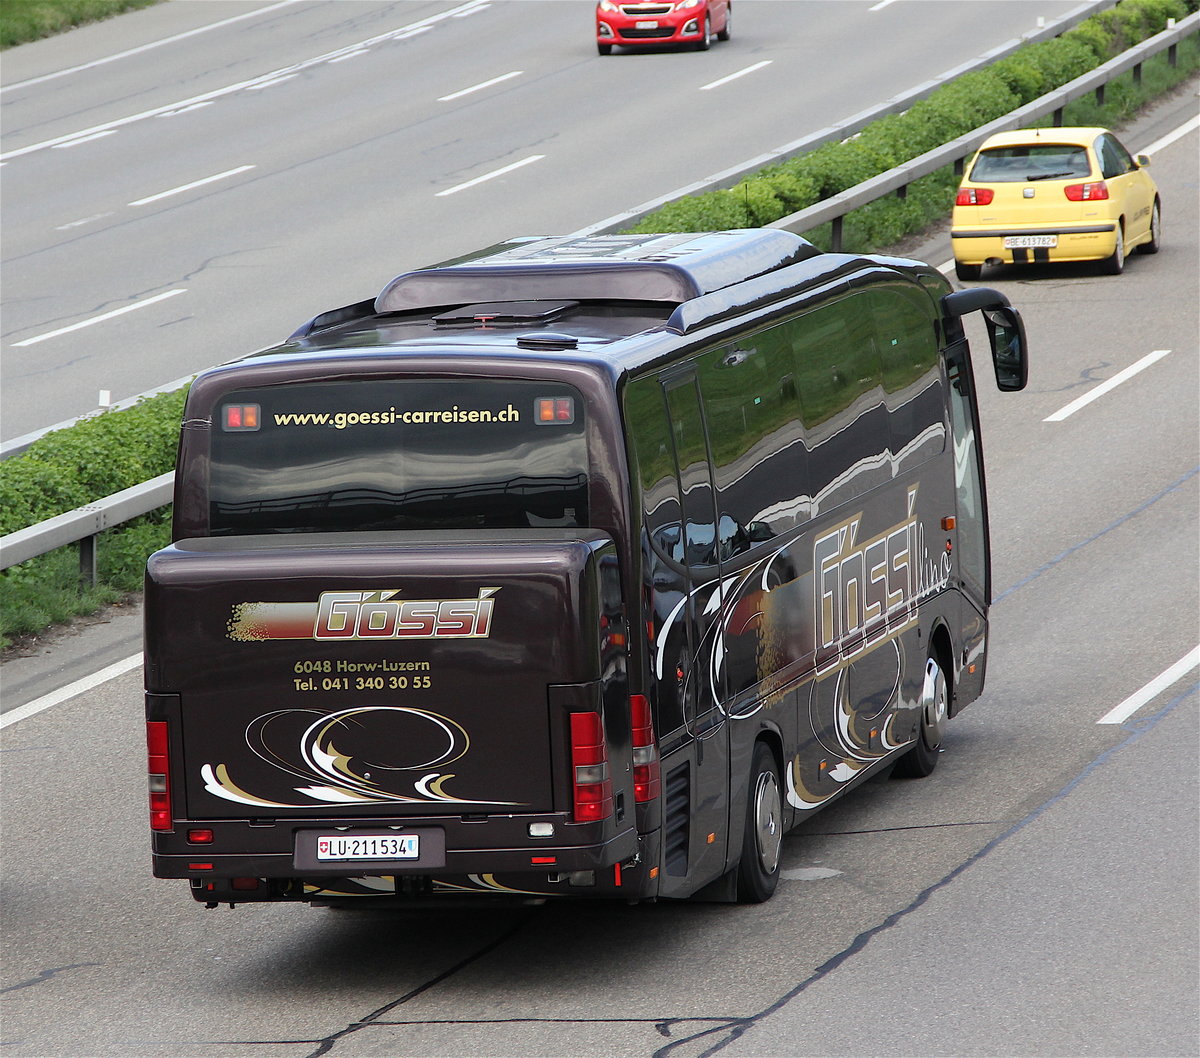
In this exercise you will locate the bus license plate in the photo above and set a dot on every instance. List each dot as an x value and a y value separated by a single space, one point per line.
1029 242
349 847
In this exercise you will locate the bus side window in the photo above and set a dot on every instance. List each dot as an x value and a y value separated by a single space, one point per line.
907 339
841 389
755 427
662 525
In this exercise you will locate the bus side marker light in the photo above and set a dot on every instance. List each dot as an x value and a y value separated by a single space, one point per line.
200 866
653 872
949 523
711 838
541 860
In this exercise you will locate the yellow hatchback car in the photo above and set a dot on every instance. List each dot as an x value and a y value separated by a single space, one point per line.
1054 194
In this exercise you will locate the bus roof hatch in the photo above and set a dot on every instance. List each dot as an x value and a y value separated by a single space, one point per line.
669 268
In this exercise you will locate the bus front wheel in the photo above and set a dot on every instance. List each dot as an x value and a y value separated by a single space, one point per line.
758 871
923 757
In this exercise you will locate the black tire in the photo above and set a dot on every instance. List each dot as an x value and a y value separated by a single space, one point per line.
967 273
1114 263
604 49
727 32
1155 242
758 869
705 42
935 700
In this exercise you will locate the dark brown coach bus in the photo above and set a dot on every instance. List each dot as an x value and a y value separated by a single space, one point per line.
587 567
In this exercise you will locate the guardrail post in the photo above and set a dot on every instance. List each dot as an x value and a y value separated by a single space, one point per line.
1137 74
87 561
835 235
1058 118
1100 95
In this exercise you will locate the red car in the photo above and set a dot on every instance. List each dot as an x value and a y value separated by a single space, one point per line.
693 22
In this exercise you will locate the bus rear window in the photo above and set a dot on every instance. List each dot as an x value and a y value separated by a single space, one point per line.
391 454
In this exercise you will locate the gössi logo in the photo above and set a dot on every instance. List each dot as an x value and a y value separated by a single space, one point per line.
376 614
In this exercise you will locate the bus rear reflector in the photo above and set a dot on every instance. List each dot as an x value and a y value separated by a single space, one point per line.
593 791
159 775
646 782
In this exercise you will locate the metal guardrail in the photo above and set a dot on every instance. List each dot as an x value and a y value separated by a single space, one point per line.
833 210
83 524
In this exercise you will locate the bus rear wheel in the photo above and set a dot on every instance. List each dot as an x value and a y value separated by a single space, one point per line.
758 870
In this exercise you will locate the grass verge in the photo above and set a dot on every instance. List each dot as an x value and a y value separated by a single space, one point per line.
24 20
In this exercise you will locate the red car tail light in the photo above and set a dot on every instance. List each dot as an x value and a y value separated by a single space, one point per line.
1093 192
974 196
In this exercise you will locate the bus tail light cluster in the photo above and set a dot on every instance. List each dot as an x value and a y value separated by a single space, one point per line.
593 788
646 782
974 196
160 775
1093 192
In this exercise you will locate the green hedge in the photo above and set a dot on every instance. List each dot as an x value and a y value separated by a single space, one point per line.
66 469
117 449
956 108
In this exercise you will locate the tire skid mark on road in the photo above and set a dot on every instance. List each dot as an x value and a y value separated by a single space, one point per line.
1046 567
45 975
325 1045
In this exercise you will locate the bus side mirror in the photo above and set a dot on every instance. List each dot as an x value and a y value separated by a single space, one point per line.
1006 333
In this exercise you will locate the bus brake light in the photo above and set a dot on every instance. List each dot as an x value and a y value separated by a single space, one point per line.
592 783
159 775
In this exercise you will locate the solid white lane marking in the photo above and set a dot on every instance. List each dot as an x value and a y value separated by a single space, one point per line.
274 77
188 187
71 690
350 55
735 76
1104 387
1171 137
480 86
84 139
1152 689
490 176
258 86
101 318
145 47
